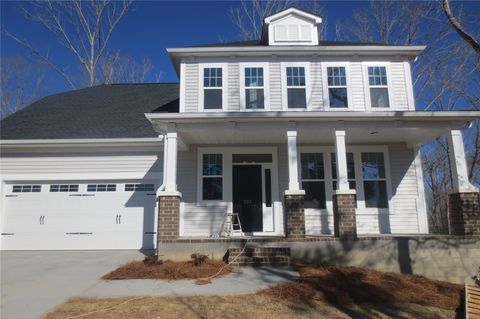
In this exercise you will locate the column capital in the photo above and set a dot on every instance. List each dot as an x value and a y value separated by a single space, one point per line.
340 133
291 133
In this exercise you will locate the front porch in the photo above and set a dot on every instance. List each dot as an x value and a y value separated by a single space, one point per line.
311 176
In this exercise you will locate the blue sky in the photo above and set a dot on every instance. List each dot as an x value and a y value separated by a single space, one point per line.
148 28
151 26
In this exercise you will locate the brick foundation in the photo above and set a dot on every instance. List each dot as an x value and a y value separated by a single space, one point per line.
464 213
295 215
168 218
344 219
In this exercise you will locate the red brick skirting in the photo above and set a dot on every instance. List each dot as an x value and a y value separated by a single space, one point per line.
344 218
295 216
464 213
168 218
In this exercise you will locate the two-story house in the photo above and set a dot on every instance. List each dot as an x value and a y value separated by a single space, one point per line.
297 136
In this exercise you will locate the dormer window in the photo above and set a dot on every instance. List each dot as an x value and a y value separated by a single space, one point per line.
213 88
337 87
296 88
254 88
377 80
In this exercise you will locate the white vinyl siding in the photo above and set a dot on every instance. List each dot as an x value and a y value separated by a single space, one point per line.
191 87
233 80
356 86
317 91
399 86
399 82
275 96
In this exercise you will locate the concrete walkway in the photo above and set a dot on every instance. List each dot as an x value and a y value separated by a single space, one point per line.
32 283
247 280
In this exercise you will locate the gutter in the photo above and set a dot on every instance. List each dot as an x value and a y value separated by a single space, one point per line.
147 141
313 116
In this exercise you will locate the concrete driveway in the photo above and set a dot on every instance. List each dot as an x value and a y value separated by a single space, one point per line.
32 283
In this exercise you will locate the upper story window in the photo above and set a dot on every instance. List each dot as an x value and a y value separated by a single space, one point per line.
254 88
337 87
377 80
213 88
296 88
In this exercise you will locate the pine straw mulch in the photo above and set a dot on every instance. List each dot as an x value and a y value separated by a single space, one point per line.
351 285
169 270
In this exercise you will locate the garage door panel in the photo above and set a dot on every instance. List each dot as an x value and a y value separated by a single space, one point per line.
79 220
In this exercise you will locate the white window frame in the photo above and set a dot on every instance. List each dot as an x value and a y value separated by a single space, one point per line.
356 150
202 67
326 95
266 86
368 99
324 179
308 85
226 204
201 176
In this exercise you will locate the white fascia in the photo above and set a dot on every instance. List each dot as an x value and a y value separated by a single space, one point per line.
82 142
316 115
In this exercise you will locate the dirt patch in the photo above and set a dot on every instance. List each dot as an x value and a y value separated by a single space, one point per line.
352 285
170 270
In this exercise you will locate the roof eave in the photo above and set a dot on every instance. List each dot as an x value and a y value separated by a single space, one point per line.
411 52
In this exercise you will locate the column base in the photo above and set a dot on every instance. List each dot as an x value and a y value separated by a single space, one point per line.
168 218
344 218
294 210
464 213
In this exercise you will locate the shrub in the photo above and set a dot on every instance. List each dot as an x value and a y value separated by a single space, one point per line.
198 258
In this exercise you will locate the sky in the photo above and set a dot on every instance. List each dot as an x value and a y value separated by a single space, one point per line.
148 29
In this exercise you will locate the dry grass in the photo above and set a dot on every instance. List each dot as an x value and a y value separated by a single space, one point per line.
249 306
169 270
352 285
321 292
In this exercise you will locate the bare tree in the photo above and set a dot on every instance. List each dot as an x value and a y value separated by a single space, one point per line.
83 27
118 68
22 81
248 15
458 27
444 78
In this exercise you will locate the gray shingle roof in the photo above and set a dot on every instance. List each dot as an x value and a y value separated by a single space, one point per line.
105 111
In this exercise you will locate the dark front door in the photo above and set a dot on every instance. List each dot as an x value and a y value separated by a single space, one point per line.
247 196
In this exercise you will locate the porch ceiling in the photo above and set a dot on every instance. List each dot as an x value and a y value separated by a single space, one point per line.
309 135
412 128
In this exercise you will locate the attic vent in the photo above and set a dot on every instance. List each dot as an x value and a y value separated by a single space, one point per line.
293 33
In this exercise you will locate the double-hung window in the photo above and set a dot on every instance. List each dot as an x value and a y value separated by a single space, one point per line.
374 180
212 177
212 88
377 80
296 88
313 179
337 87
254 88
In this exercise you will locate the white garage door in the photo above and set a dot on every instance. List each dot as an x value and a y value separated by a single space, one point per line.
79 215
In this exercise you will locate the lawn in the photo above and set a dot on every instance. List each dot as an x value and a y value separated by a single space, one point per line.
322 291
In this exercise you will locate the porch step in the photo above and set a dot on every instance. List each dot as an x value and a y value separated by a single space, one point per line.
259 256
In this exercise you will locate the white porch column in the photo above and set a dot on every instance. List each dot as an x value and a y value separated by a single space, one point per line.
459 163
293 184
341 156
170 174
